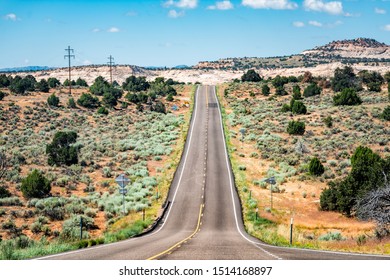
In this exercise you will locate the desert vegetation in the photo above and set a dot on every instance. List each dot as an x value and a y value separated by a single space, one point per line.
329 160
60 154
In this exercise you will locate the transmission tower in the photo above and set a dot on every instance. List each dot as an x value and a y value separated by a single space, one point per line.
111 63
69 56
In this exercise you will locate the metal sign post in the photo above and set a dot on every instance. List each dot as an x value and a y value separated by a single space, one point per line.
122 181
257 211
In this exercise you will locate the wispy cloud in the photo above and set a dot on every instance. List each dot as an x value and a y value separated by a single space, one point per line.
315 23
11 16
222 5
387 27
380 11
298 24
270 4
175 14
113 30
333 7
95 30
183 4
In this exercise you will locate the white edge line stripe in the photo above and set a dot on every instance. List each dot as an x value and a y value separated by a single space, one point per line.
170 208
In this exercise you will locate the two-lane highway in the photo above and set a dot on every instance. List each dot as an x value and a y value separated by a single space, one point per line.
204 220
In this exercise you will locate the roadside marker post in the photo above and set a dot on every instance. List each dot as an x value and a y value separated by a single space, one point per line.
122 181
257 211
81 227
291 231
272 182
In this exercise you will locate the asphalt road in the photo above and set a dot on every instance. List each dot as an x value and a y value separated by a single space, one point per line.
204 220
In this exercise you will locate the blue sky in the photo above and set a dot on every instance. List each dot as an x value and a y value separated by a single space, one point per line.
174 32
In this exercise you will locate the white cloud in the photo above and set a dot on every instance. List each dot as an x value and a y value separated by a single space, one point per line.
11 16
183 4
87 62
222 5
175 14
298 24
387 27
113 30
380 11
333 8
270 4
95 30
315 23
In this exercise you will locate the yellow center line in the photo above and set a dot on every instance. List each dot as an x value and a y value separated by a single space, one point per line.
184 240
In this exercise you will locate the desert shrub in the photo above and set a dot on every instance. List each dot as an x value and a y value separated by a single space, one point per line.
71 227
343 79
2 94
169 98
286 108
386 114
53 82
159 107
99 86
160 88
35 185
71 103
279 81
109 99
53 100
251 76
102 111
328 121
315 167
361 240
60 150
81 82
43 86
373 80
11 201
299 108
296 128
88 101
36 227
297 92
312 90
7 249
4 192
5 81
280 91
135 84
368 173
331 236
265 90
348 97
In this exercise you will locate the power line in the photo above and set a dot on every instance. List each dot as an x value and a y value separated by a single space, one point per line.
69 56
111 63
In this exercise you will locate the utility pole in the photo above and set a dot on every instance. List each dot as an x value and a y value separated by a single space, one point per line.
111 63
69 56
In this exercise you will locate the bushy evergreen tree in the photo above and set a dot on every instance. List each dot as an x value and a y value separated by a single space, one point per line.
35 185
60 151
